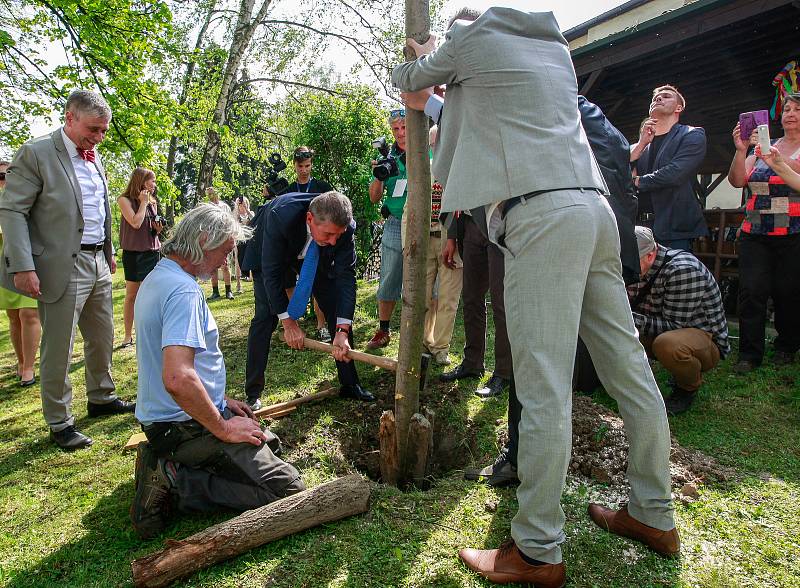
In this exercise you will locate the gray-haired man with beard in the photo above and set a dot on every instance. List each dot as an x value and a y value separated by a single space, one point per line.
206 451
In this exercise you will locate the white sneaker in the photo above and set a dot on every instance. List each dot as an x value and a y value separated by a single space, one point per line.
442 358
324 334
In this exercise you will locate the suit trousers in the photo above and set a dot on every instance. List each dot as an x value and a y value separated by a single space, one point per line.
483 272
86 303
211 474
440 317
263 324
563 278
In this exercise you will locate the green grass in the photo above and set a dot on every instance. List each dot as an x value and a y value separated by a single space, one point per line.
64 517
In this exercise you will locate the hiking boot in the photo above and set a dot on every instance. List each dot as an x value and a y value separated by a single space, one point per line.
501 473
379 339
679 401
441 358
152 502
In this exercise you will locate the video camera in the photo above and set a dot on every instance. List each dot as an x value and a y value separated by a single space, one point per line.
277 185
386 167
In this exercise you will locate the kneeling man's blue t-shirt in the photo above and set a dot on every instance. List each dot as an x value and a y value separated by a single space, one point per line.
170 310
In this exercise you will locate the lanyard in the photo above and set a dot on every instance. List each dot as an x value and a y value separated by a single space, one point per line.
308 186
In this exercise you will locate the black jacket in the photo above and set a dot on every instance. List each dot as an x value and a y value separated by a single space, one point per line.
283 235
612 152
678 213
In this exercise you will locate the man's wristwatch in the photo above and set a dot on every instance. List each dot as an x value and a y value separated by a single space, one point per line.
345 330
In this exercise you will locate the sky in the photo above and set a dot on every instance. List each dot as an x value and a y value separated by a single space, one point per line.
568 13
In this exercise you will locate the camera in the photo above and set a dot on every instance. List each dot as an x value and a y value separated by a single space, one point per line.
277 185
159 219
386 167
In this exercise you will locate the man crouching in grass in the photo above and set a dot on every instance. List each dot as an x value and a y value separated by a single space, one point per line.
206 451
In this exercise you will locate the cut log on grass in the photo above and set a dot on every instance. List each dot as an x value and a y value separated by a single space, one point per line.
325 503
387 436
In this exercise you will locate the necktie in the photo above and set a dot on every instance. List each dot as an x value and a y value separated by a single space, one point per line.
302 292
86 154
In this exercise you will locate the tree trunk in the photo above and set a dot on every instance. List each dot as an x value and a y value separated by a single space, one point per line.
420 437
187 80
323 504
418 217
387 436
245 28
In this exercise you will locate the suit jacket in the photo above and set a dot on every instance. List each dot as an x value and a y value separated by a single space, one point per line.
41 212
511 124
284 236
678 213
612 152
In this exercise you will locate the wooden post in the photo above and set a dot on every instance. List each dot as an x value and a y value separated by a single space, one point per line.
417 218
322 504
387 436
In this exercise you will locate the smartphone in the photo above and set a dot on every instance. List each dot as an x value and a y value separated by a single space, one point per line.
763 138
750 121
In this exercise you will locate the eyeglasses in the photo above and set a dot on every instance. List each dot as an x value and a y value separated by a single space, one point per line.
397 113
303 155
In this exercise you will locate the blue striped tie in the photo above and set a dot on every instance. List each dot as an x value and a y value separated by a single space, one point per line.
302 292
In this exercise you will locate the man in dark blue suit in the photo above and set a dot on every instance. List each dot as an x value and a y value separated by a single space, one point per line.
291 228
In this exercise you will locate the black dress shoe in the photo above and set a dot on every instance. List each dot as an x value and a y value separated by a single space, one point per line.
70 438
460 372
501 473
356 392
116 406
493 387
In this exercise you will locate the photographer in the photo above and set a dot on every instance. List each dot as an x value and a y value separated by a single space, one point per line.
392 169
139 229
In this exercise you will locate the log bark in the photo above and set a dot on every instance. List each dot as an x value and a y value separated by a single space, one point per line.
387 436
325 503
417 217
420 435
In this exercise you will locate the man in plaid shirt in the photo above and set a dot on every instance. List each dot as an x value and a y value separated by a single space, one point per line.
677 307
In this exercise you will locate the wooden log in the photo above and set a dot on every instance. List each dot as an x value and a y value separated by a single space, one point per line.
387 436
420 435
134 441
386 363
280 406
322 504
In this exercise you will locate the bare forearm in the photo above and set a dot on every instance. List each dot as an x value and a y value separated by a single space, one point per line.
375 191
190 394
737 175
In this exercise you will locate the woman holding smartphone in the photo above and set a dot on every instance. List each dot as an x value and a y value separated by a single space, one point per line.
769 244
138 237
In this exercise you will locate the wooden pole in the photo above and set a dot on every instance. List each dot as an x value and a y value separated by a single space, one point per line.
386 363
418 219
322 504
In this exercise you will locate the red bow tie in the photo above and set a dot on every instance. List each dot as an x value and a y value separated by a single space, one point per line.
87 154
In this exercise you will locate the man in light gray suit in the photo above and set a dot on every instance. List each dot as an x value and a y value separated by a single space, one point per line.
57 226
511 140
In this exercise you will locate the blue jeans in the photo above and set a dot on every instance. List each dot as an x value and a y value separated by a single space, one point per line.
391 279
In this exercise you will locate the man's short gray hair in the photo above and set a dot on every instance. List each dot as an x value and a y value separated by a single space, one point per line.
334 207
465 13
204 228
86 102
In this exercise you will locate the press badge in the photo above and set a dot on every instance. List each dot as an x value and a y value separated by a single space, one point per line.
399 188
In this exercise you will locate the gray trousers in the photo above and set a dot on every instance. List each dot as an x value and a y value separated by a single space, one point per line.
212 474
86 303
563 278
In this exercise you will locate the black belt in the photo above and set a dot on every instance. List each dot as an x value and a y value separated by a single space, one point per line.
436 233
512 202
92 247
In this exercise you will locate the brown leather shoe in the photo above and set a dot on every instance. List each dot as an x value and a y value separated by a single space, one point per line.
619 522
505 565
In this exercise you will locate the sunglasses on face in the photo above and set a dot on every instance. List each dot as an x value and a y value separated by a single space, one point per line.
397 113
303 155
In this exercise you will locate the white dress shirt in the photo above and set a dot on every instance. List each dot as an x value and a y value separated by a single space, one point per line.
93 190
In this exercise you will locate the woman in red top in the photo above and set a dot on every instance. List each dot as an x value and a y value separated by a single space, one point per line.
138 238
769 245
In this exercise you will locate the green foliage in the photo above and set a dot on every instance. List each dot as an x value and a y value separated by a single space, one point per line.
340 129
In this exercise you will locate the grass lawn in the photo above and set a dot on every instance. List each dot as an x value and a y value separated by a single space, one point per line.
64 516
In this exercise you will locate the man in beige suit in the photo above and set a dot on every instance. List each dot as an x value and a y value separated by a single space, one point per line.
57 226
510 140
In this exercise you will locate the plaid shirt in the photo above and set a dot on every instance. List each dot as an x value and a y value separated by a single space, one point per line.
684 295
